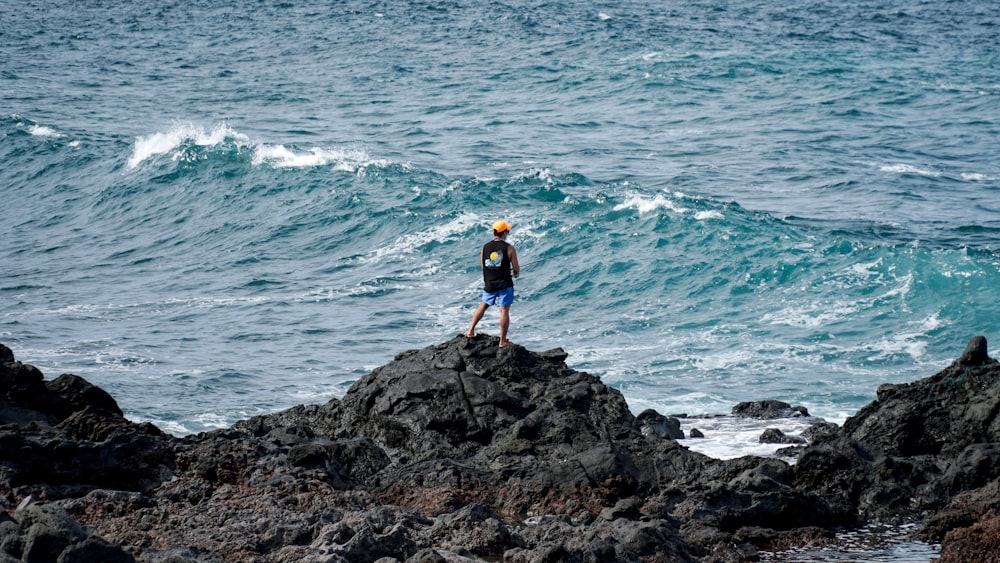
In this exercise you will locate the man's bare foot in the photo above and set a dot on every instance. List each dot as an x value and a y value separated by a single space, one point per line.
504 343
469 334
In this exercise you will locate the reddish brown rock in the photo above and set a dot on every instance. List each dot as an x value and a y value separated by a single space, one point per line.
979 542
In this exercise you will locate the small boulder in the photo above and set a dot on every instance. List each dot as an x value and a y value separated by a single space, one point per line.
653 423
776 436
768 410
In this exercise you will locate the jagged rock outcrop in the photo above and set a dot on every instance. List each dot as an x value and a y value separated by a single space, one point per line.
465 451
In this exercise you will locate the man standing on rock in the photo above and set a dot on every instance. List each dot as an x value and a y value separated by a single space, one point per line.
499 261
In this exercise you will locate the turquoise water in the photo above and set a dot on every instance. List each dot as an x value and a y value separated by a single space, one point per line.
219 209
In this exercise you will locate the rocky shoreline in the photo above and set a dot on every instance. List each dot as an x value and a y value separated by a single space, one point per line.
464 451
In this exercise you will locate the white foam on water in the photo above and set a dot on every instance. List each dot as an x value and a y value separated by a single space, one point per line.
403 245
346 159
908 169
543 174
814 314
42 131
316 393
114 359
865 269
645 204
706 215
351 159
721 359
166 142
730 437
811 314
109 311
212 420
978 177
912 342
211 302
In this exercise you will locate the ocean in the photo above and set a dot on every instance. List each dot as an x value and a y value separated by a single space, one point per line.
218 209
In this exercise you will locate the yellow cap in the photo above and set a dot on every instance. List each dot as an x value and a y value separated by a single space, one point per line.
501 226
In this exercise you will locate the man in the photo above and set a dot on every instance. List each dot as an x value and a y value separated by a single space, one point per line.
499 262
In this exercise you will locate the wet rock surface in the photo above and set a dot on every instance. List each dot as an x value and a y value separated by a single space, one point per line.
466 451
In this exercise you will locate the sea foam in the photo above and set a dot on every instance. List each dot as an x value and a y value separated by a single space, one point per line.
180 134
349 159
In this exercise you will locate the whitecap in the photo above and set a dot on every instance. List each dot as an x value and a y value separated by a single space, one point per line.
43 131
978 177
706 215
908 169
349 159
813 315
646 204
169 141
543 174
866 269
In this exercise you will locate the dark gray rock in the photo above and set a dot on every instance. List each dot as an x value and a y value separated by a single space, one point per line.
976 353
463 450
93 549
768 409
73 394
427 555
180 555
820 431
653 423
942 413
776 436
46 532
474 529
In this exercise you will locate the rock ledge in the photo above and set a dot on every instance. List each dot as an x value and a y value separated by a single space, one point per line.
465 451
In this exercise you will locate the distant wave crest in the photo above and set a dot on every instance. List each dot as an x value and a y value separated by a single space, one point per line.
181 136
646 204
280 156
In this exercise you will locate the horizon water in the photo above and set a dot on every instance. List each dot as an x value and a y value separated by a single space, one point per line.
215 211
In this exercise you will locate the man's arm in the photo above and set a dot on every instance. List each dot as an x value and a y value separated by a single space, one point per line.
514 266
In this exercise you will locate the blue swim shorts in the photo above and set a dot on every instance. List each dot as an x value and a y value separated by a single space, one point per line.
503 298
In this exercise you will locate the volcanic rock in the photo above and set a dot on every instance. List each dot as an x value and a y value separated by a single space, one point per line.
468 451
768 409
776 436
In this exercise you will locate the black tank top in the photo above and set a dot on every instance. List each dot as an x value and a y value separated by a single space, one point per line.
496 266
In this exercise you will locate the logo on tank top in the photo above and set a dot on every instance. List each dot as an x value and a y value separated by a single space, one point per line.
494 260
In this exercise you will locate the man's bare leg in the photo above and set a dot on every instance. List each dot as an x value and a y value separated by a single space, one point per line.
504 325
476 317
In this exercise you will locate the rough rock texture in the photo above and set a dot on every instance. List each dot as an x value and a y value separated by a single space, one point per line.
768 409
979 542
465 451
